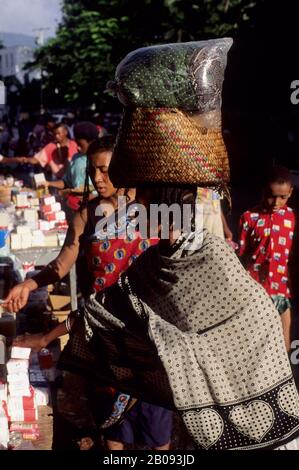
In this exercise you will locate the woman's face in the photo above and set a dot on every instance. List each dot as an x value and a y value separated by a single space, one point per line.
98 171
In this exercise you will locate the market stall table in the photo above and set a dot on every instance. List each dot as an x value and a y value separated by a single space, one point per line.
43 256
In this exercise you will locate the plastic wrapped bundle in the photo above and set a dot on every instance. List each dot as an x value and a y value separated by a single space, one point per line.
171 127
187 76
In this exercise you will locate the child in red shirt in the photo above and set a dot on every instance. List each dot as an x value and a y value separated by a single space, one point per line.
266 236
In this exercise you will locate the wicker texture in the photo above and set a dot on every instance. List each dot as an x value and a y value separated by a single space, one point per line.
165 145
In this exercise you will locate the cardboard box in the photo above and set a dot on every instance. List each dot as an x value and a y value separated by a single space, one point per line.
34 202
4 432
20 353
41 396
51 240
56 207
62 225
26 241
63 341
15 241
23 230
60 216
48 200
22 200
23 403
27 429
39 179
15 366
21 378
26 416
3 392
31 215
50 216
19 390
4 220
61 316
43 225
60 302
38 238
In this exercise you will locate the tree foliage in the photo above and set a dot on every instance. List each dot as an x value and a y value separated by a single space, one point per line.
95 34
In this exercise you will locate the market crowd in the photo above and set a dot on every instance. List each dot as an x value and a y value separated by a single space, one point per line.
197 323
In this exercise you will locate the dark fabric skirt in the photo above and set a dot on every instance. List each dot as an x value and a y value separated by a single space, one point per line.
144 423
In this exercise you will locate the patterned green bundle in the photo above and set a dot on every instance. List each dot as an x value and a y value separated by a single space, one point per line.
187 76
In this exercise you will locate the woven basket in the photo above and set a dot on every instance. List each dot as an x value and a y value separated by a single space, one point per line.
165 145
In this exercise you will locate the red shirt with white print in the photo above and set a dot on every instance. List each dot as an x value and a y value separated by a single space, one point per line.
266 238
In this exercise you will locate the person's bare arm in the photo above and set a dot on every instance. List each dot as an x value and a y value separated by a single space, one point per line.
12 160
41 340
55 184
56 270
227 231
61 266
32 161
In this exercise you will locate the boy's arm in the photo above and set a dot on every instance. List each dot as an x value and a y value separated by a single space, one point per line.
12 160
227 231
243 235
30 160
54 184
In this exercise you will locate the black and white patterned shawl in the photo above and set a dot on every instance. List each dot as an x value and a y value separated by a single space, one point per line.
194 331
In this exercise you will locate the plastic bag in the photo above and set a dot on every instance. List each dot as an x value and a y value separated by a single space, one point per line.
187 76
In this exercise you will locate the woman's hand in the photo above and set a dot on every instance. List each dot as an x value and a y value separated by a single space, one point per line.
36 342
18 296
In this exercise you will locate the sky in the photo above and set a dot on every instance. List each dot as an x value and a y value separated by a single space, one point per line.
22 16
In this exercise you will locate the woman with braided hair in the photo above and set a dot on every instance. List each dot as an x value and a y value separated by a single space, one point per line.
107 258
200 336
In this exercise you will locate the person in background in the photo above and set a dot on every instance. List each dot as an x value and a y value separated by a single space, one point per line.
74 177
98 120
84 221
5 137
266 237
107 259
56 155
47 135
69 121
213 218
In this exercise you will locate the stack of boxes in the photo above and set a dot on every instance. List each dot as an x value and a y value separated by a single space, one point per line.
22 239
44 223
4 429
51 211
19 401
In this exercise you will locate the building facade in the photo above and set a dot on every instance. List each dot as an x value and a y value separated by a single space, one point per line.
12 61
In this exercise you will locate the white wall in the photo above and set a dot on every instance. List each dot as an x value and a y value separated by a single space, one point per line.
13 59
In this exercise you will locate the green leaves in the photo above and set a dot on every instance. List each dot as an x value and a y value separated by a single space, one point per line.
95 35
